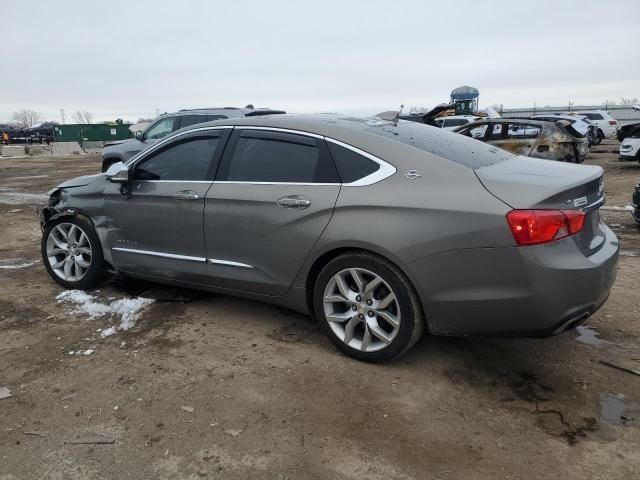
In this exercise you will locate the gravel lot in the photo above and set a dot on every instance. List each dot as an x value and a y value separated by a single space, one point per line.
207 386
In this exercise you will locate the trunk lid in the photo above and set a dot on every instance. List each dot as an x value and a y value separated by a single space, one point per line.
530 183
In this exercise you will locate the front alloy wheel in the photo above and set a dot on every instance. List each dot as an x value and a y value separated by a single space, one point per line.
69 252
72 253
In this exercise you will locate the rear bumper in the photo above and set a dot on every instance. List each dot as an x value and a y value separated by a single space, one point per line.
627 157
529 291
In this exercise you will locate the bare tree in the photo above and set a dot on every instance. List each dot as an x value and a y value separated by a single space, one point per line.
83 117
25 118
629 101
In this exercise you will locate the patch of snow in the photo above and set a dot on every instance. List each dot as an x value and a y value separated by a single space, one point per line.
107 332
88 352
16 263
127 309
614 208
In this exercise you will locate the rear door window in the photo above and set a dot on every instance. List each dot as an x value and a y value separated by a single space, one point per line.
593 116
522 131
276 157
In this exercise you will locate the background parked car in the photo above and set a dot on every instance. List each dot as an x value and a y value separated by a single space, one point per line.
42 133
454 121
628 130
580 123
123 150
607 125
551 140
630 148
428 118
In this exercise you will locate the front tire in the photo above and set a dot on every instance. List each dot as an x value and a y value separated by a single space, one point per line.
367 307
71 253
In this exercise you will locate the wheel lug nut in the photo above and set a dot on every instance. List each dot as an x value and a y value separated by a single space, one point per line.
354 308
369 302
361 316
358 298
370 313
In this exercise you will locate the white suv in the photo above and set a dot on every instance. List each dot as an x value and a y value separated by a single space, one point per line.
630 149
607 125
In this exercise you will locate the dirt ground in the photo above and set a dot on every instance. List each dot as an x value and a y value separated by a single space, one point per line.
223 388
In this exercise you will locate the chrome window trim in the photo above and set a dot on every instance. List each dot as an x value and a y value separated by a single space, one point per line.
160 254
228 263
281 130
144 153
385 170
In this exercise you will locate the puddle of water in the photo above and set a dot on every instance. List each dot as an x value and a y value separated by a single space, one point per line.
16 263
614 409
589 336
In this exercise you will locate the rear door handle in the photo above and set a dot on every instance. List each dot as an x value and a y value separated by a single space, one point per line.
299 202
186 196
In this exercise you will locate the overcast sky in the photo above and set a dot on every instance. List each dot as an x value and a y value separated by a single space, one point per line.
134 58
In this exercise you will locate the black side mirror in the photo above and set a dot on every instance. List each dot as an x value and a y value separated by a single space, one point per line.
139 136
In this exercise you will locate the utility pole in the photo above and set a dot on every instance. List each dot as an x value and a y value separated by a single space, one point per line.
62 115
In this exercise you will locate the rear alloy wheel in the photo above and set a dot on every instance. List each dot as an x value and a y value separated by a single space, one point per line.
71 253
367 307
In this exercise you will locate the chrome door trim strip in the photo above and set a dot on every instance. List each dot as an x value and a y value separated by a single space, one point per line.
280 130
172 181
228 263
276 183
142 154
385 170
160 254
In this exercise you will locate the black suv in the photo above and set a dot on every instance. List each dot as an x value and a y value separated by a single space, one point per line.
123 150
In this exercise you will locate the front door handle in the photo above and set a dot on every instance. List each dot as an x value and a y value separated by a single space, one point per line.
299 202
186 196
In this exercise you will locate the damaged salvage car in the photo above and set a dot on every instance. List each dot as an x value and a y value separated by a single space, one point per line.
381 230
550 140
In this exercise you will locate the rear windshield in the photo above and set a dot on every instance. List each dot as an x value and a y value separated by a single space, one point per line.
449 145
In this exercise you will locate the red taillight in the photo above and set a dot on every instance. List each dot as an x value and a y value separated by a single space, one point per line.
533 227
613 122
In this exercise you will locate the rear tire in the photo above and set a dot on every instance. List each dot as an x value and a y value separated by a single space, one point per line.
599 137
71 253
367 307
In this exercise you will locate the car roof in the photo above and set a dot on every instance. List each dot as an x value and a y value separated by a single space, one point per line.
229 112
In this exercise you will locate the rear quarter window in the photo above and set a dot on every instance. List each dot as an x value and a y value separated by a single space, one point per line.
448 145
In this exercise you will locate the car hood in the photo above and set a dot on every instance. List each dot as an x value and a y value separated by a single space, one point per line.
115 142
77 182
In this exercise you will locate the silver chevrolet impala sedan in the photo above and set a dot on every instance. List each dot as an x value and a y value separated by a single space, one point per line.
379 229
